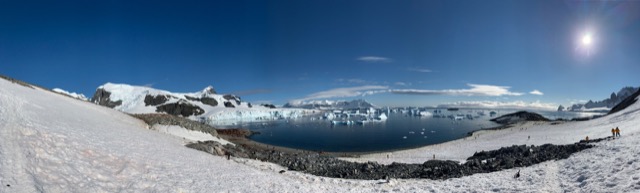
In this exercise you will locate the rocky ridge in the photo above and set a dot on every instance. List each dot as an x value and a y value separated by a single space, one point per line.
519 116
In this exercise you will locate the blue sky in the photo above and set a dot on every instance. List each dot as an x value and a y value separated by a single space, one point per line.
394 53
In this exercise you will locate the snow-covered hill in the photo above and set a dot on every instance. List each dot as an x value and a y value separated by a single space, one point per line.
330 105
53 143
205 105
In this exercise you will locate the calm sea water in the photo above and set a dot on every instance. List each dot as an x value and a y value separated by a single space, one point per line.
400 131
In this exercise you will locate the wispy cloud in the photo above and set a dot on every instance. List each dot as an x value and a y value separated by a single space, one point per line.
344 92
536 92
402 84
355 81
424 70
501 105
577 101
475 90
373 59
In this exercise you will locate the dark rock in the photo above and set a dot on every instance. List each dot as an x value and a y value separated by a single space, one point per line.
165 119
228 104
16 81
249 104
281 171
271 106
519 117
180 108
191 98
204 100
209 101
155 100
481 162
230 97
101 97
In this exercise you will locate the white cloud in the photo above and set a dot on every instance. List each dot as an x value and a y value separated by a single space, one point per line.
501 105
344 92
475 90
402 84
353 80
536 92
420 70
577 101
373 59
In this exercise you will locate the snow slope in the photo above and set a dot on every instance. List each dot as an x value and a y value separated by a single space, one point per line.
188 136
53 143
133 101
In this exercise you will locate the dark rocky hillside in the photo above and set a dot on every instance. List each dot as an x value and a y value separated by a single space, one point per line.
519 116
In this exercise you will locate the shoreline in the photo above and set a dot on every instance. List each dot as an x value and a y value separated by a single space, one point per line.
245 140
326 165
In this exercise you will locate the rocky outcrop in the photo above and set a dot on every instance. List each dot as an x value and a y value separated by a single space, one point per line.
209 101
232 97
204 100
519 116
271 106
155 100
16 81
229 104
322 165
180 108
165 119
101 97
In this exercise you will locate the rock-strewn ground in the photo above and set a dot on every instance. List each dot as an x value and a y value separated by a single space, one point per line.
165 119
320 164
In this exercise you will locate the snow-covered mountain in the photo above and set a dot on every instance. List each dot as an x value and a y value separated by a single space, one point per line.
329 105
205 105
71 94
603 105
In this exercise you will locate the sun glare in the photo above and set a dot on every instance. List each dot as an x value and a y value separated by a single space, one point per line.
586 42
586 39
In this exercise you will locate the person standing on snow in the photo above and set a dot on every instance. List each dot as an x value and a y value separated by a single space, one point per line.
613 132
617 132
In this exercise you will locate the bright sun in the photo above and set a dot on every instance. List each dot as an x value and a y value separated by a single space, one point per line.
586 39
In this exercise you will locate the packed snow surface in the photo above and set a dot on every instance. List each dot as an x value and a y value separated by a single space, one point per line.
188 136
53 143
